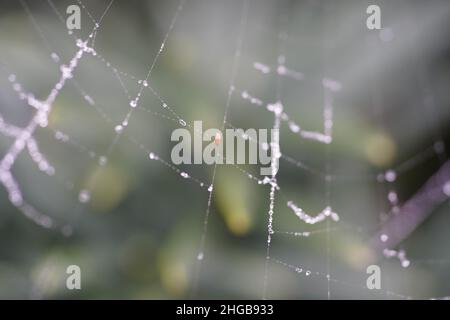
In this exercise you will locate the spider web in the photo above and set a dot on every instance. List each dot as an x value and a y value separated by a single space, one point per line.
24 141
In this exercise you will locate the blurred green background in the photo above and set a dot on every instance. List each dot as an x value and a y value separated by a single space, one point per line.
138 237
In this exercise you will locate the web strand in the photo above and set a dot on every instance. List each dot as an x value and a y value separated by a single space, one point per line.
231 88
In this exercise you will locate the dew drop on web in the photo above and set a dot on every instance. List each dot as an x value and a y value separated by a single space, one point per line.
118 128
84 196
184 175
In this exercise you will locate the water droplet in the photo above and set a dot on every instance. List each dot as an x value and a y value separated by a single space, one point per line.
210 188
133 103
276 107
392 196
152 156
164 105
307 273
281 70
50 171
384 237
182 122
118 128
266 180
16 198
200 256
89 100
84 196
294 127
145 83
390 176
54 57
184 175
